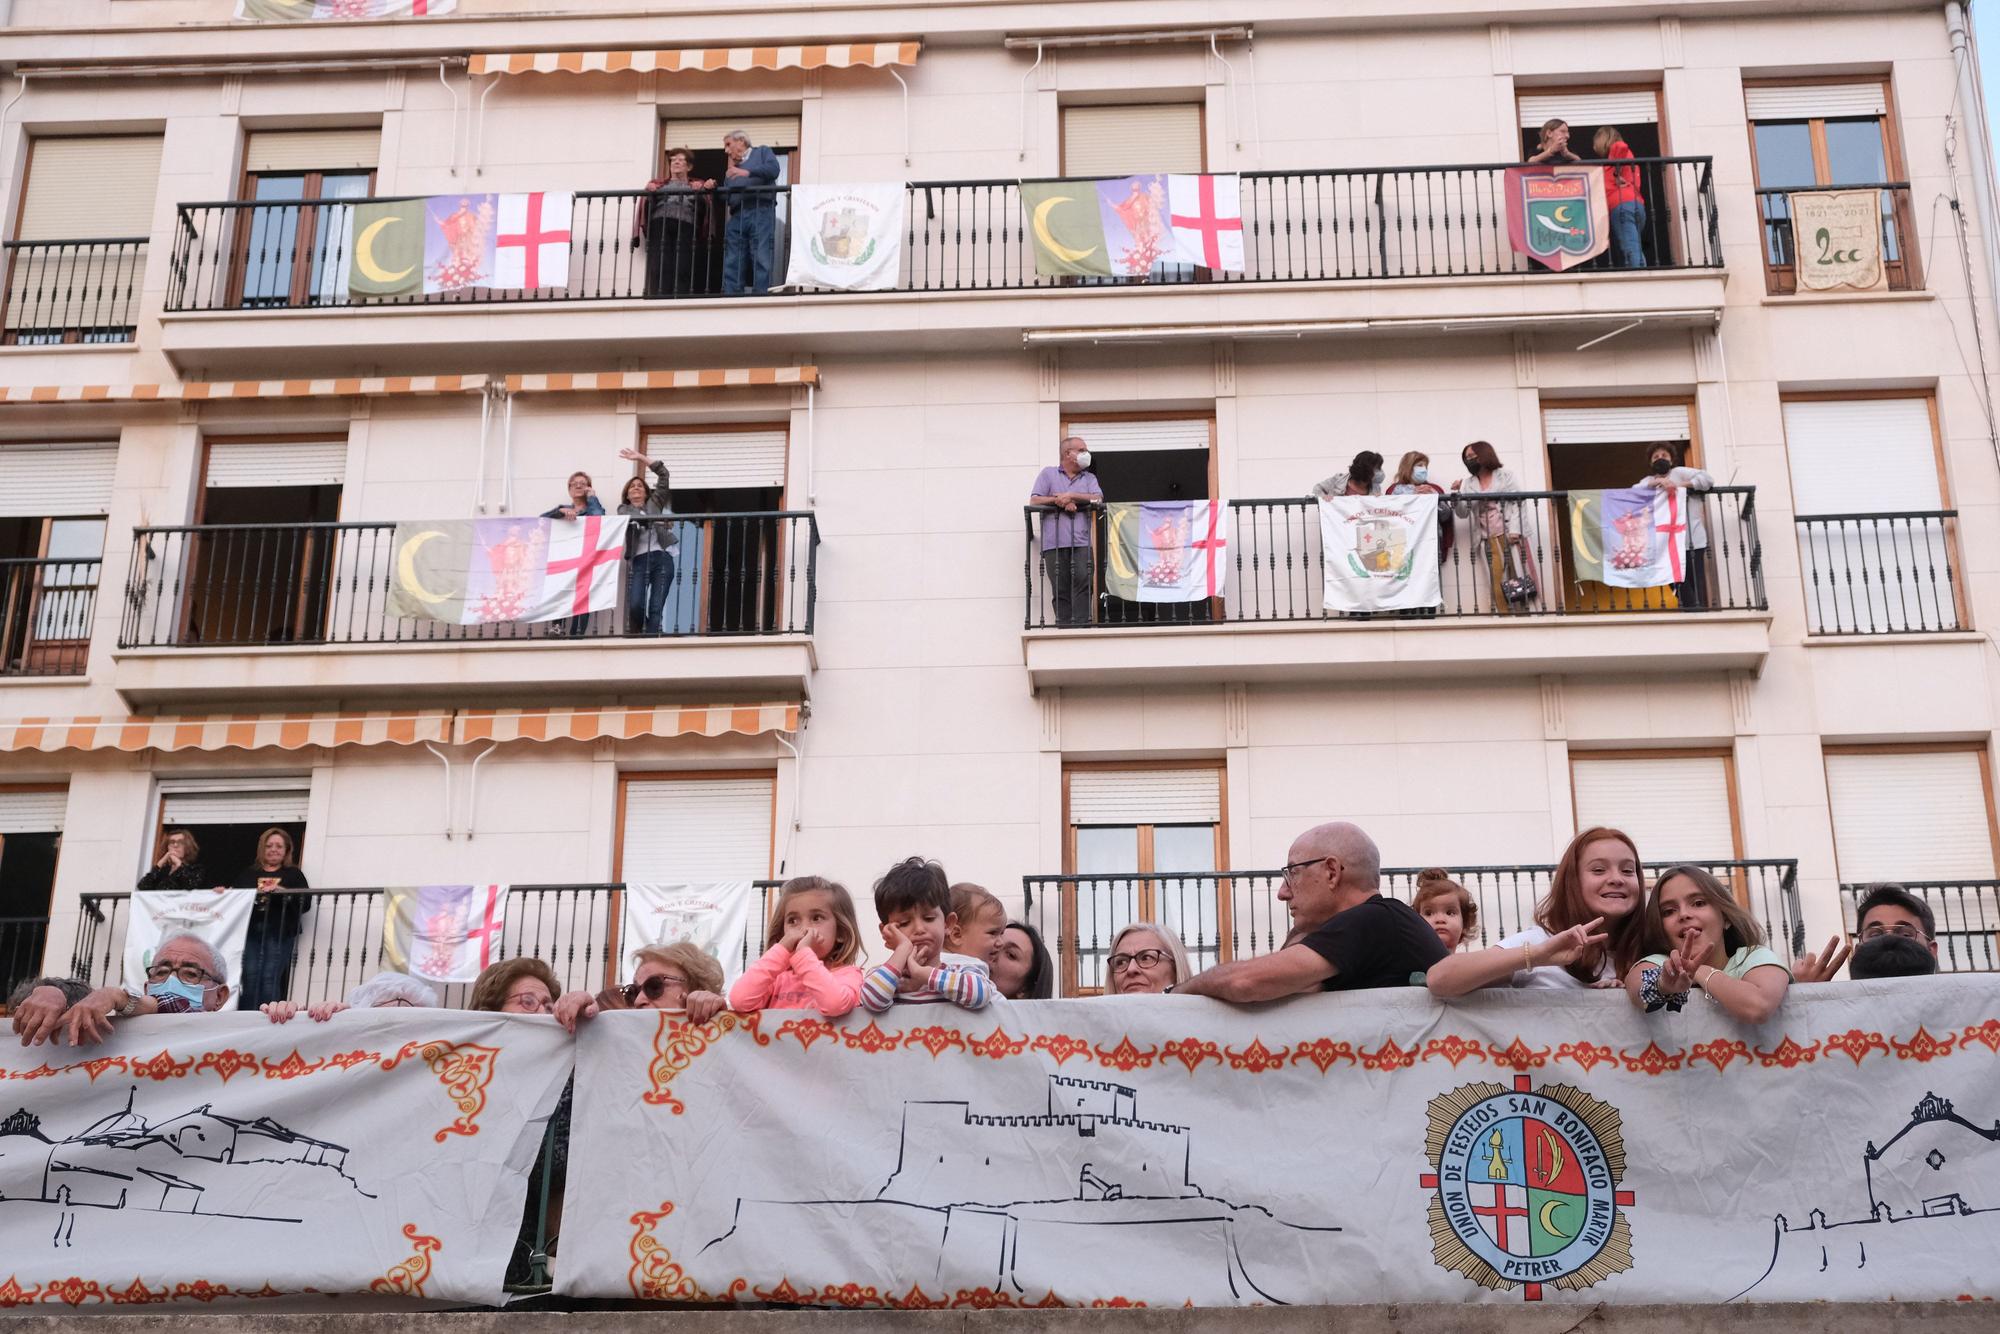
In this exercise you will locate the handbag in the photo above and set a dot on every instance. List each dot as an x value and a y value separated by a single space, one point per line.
1517 576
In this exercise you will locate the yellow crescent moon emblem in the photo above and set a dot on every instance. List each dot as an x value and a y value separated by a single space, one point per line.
1556 1157
1547 1226
1562 212
1061 252
1120 526
364 256
406 569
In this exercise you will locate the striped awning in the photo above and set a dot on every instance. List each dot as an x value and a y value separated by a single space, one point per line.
587 382
582 382
623 722
697 60
243 731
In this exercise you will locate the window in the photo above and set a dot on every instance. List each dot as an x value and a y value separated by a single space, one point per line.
1598 444
1877 552
1142 456
260 565
1678 805
31 824
78 258
1144 844
1827 135
294 252
728 482
53 499
695 827
1922 816
227 815
702 136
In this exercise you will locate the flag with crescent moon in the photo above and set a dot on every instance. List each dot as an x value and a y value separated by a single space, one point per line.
1170 551
386 257
1066 227
1557 215
480 571
300 11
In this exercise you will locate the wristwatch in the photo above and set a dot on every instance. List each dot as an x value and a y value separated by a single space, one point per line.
128 1009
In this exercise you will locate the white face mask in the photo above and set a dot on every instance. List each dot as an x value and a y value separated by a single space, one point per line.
1420 473
1083 458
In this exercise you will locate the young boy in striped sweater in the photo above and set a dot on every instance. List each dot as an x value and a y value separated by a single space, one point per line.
913 900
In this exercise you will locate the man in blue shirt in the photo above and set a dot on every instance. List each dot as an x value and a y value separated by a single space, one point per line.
1070 493
748 236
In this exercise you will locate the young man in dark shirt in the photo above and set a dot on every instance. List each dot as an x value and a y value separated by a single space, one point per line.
1346 935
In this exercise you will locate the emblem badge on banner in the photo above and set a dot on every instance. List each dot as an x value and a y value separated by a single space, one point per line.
1557 216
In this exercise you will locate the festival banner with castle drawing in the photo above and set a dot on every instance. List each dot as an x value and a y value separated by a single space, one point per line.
482 571
1365 1147
204 1159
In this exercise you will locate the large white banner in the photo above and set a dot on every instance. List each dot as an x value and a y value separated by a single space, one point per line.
196 1157
1381 552
218 917
714 916
1364 1147
848 237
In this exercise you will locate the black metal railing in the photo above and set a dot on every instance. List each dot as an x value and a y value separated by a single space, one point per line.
330 583
574 929
22 940
1967 914
1224 915
1900 271
1499 555
74 291
1298 226
46 608
1880 574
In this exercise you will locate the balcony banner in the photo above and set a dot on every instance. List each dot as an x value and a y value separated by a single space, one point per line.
299 11
480 571
1166 551
1837 240
716 916
193 1158
1380 552
1632 537
219 918
1367 1147
847 237
1557 215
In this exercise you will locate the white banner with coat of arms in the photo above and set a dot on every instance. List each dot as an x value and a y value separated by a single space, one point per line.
1381 552
848 237
1364 1147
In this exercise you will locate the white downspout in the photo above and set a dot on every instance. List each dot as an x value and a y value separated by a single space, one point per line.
472 792
444 759
1022 156
798 787
452 93
1978 140
507 457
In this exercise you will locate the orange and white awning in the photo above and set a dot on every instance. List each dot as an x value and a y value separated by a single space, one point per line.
251 731
623 722
381 386
697 60
600 382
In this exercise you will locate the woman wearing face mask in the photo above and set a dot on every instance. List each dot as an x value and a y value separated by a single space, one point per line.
275 920
1413 478
1586 932
1363 477
1495 526
1663 470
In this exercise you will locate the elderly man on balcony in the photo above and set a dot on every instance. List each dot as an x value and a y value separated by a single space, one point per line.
185 977
1346 936
748 236
1071 490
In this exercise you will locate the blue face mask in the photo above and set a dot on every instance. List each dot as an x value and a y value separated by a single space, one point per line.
1420 473
172 986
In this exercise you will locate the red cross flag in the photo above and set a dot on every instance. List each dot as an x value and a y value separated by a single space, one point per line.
586 557
1207 217
443 933
532 248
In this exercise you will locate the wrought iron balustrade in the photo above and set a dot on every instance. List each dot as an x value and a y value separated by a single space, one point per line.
74 291
1225 915
1782 244
46 609
21 942
1967 913
1880 574
1298 226
1503 554
248 585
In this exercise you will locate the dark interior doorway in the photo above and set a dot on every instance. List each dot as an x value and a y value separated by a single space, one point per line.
268 584
1149 474
1644 141
1577 466
726 573
27 882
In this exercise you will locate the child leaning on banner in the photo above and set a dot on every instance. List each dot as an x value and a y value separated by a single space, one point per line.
1698 937
812 962
913 901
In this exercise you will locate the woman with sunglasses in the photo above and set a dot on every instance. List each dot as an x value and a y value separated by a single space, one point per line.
1145 959
678 977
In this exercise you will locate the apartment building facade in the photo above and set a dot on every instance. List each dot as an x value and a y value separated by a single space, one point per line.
206 443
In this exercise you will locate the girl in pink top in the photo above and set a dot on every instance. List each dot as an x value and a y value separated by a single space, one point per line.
813 962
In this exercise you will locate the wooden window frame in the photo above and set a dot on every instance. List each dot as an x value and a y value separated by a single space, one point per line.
208 442
33 647
1146 909
11 337
779 551
1905 274
300 295
1670 206
1693 459
56 871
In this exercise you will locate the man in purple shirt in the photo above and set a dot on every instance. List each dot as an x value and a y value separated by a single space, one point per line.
1072 493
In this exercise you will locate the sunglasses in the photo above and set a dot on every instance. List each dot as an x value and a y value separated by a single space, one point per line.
654 987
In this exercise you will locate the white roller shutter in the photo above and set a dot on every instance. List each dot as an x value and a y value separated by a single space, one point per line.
313 150
91 189
682 829
1862 456
1638 424
1676 808
1630 106
265 463
1145 796
185 801
56 480
702 459
1810 101
1114 437
1919 816
1123 141
775 132
32 812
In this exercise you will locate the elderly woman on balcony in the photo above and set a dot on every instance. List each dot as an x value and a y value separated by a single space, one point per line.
275 920
678 977
1145 958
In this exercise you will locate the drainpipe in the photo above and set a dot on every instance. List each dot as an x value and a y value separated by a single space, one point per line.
1972 120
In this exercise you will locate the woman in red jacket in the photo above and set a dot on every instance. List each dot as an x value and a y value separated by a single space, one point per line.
1622 197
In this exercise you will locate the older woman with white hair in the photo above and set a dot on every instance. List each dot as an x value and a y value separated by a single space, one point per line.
1145 958
385 990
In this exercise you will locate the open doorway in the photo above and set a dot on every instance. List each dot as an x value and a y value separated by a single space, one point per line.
31 821
702 137
727 486
1635 112
1148 457
260 567
1595 446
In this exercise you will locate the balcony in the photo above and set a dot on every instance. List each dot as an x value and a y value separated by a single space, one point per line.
1224 915
294 611
1967 913
1272 624
1318 244
1881 574
46 608
73 291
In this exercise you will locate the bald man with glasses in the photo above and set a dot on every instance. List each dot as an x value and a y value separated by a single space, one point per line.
1346 936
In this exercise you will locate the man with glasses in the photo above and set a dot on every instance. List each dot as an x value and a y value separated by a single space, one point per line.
1895 936
1345 935
185 977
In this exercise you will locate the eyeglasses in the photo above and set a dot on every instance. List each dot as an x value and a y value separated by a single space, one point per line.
528 1003
1292 869
654 987
394 1001
1907 930
1139 959
191 973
